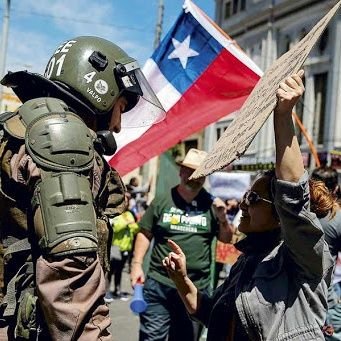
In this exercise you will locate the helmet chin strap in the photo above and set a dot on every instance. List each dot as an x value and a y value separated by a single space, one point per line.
102 121
105 143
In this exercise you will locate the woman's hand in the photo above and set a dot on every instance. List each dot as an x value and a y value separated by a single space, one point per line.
175 263
290 91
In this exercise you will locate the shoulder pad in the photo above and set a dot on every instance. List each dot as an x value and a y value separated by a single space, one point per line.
60 142
10 121
15 123
55 138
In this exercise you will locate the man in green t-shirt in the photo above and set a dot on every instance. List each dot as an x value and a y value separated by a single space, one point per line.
191 217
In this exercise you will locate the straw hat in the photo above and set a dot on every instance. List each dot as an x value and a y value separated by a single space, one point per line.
193 158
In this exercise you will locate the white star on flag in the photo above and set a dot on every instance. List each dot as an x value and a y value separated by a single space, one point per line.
182 51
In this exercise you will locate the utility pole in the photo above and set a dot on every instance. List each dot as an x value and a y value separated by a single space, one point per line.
270 36
158 29
149 170
4 40
266 135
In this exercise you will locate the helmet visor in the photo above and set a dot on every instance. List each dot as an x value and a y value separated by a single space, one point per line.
148 109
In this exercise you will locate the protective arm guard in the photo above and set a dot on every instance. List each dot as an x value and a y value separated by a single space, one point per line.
64 219
61 144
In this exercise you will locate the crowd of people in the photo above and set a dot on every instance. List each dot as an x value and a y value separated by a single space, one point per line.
69 225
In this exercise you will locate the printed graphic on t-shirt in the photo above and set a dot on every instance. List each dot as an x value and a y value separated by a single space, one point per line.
179 220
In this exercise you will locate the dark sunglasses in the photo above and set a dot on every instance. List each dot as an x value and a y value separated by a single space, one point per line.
252 198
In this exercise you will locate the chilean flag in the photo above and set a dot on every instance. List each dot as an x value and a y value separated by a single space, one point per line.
199 75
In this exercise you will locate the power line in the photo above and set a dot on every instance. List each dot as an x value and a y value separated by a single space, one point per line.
82 21
158 29
4 41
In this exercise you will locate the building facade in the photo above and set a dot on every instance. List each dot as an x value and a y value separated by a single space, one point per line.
8 100
266 29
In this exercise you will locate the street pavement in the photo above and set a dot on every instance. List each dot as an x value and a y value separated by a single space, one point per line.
125 324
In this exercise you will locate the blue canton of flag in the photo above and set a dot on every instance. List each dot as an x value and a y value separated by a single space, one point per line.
193 44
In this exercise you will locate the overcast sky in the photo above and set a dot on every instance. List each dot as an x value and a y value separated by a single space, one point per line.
37 27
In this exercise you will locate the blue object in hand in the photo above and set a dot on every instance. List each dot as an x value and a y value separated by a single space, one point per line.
138 304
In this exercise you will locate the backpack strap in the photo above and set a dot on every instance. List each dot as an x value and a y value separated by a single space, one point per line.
4 116
10 299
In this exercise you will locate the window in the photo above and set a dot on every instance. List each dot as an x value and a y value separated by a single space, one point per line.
287 43
233 7
179 150
227 9
323 42
221 127
299 112
219 132
320 81
303 33
190 144
284 44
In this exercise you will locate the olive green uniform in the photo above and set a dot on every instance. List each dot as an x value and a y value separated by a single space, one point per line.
69 288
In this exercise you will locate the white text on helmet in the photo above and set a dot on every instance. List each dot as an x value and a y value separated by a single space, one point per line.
52 63
93 95
89 76
64 48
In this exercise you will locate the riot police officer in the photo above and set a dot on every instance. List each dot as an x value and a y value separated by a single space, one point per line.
57 193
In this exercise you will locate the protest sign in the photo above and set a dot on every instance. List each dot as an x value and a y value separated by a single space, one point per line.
260 103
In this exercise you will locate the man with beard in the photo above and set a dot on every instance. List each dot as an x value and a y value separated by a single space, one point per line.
192 217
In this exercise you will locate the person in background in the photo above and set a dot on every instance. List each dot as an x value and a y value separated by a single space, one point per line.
333 321
125 229
277 290
232 208
324 188
226 253
330 177
139 196
192 217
